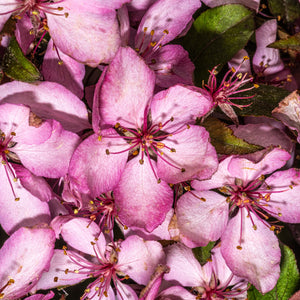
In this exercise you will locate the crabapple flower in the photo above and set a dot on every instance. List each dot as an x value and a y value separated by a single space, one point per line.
154 133
23 258
133 258
163 21
87 32
214 280
240 214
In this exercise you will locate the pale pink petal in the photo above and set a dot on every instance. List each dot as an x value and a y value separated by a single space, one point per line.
167 19
57 274
284 195
140 200
202 216
51 158
247 170
264 56
48 100
69 74
48 296
182 104
94 295
26 211
92 170
258 260
139 258
124 291
23 258
90 34
172 65
194 156
288 112
37 186
254 4
184 267
126 90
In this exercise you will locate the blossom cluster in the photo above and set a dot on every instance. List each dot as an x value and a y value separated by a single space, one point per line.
112 175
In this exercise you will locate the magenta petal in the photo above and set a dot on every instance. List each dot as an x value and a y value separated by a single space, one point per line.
51 158
194 156
258 260
167 19
92 170
27 211
22 33
172 65
23 258
182 104
90 34
48 296
48 100
135 252
69 74
126 90
254 4
264 56
202 219
140 200
284 195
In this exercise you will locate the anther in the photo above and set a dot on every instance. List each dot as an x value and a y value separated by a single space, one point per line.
158 180
254 227
141 161
17 199
173 150
182 170
136 152
55 279
60 62
107 152
239 247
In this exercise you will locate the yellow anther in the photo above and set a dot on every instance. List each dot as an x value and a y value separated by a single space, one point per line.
228 199
76 271
245 57
291 187
202 199
136 152
35 12
99 138
182 170
145 29
60 62
256 85
75 211
173 150
117 125
187 188
60 8
66 14
166 31
107 152
279 214
152 32
15 179
233 69
153 44
239 76
31 32
141 161
125 227
66 271
46 27
87 290
93 243
160 145
158 180
1 295
272 228
55 279
13 133
6 151
254 227
239 247
105 294
188 126
17 199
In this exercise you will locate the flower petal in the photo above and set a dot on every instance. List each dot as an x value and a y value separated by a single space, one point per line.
126 90
202 219
258 260
23 258
140 200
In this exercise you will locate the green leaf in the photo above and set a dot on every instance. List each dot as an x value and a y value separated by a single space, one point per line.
266 98
288 10
16 66
203 254
216 36
290 43
288 282
223 139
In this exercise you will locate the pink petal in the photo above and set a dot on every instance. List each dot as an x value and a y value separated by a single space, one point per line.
184 267
182 104
140 200
135 252
194 156
270 57
37 186
23 258
23 36
172 65
165 16
247 171
69 74
4 8
126 90
176 291
92 170
284 195
27 211
238 59
80 232
57 275
51 158
258 260
90 34
202 221
65 107
48 296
